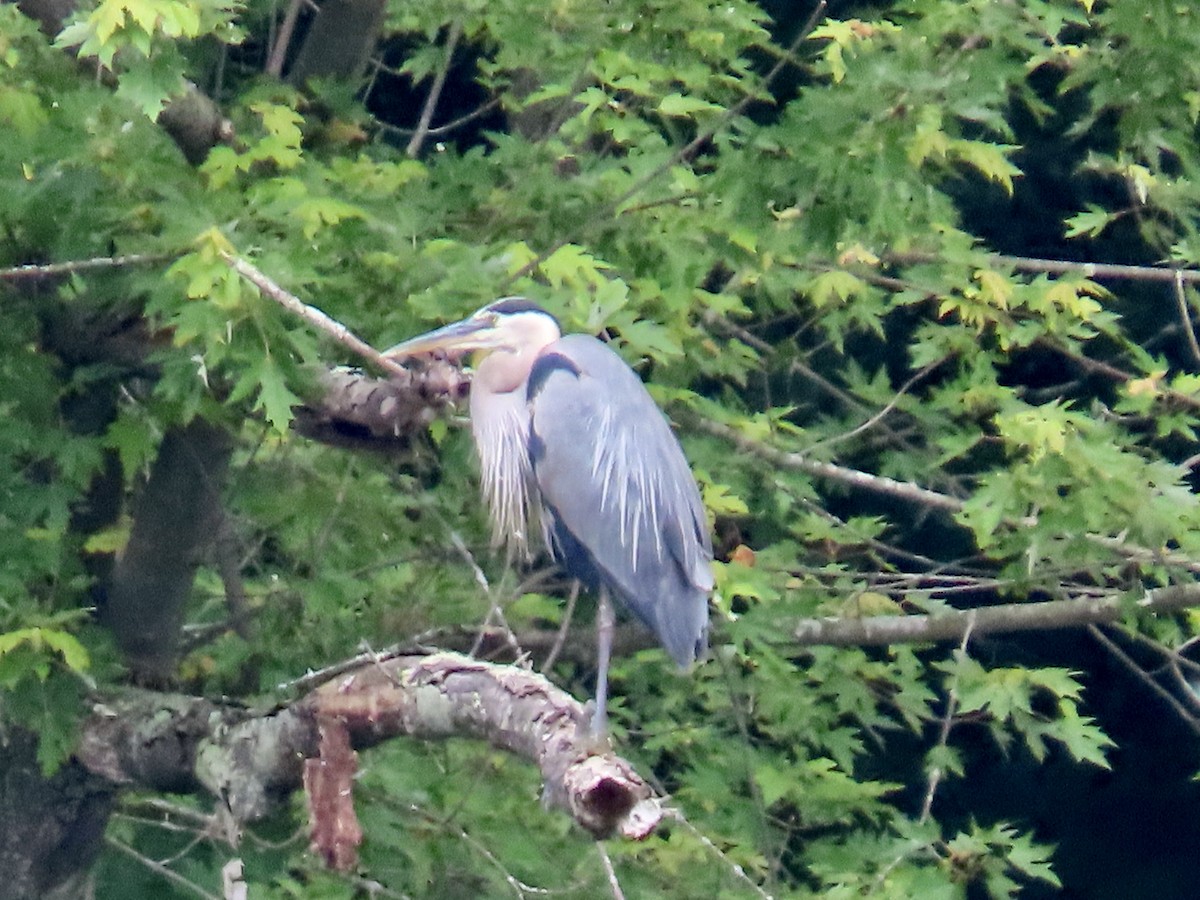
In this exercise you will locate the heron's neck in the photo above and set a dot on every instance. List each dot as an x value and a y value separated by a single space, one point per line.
500 426
504 371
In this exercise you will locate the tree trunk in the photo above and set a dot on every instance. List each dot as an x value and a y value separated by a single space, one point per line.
51 829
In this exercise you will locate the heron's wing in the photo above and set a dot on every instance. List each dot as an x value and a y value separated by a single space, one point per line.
622 508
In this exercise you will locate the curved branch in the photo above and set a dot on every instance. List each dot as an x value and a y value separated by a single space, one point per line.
251 761
451 695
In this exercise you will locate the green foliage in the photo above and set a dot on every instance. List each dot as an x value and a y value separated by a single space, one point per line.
805 259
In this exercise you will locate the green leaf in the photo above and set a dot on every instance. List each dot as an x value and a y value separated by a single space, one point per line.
680 105
36 638
1090 223
274 398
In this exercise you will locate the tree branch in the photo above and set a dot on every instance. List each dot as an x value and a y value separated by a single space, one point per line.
315 317
355 411
174 520
880 484
1005 618
1097 271
53 270
251 761
435 93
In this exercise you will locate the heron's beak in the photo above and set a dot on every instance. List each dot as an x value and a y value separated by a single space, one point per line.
469 334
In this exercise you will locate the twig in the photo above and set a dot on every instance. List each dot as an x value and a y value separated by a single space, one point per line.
279 48
443 129
734 330
159 869
313 316
707 843
1006 618
495 612
49 270
1127 661
314 677
935 773
435 93
609 872
1185 315
879 416
519 887
561 637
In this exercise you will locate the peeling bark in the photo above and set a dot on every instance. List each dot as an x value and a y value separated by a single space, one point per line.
450 695
252 761
329 787
355 411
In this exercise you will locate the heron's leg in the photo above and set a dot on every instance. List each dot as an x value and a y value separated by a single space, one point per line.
604 636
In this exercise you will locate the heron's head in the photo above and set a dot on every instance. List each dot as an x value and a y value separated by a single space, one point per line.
513 324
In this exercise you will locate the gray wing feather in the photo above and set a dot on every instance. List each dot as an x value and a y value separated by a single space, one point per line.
612 474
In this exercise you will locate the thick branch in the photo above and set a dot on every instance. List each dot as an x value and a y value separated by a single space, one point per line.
50 828
251 761
354 410
339 41
450 695
174 519
1009 617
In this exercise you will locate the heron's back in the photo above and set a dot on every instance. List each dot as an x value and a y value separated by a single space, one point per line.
621 508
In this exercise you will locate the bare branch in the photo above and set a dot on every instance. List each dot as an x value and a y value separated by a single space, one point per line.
450 695
1005 618
707 843
279 49
355 411
1130 665
1185 315
315 317
165 872
610 874
52 270
887 408
880 484
435 93
1096 271
440 130
935 772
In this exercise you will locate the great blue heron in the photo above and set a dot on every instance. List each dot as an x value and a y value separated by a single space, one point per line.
568 436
